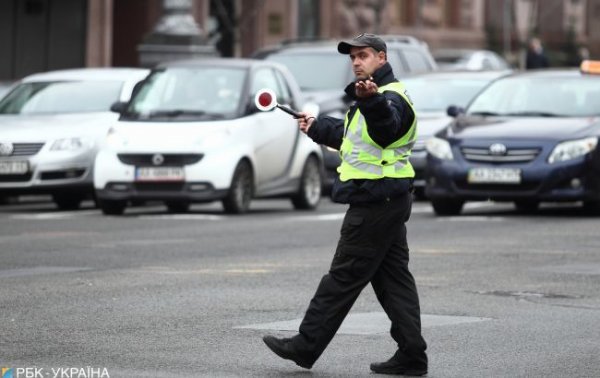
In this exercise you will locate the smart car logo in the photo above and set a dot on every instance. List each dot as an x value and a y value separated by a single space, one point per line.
6 149
497 149
158 159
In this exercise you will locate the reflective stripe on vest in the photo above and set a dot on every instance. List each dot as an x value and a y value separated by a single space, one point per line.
362 158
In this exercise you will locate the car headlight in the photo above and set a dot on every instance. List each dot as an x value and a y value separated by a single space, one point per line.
70 144
439 148
572 149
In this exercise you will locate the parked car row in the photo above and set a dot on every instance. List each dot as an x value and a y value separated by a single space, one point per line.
184 132
189 131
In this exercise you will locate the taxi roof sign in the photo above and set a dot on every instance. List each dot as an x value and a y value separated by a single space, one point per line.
590 67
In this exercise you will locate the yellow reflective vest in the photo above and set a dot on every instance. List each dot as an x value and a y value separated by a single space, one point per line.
362 158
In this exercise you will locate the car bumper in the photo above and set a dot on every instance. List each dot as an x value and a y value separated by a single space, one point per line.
116 180
418 160
568 181
61 171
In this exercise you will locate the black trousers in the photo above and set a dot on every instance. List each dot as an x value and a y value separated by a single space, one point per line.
372 248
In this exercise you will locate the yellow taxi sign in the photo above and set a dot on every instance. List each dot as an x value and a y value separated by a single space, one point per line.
590 67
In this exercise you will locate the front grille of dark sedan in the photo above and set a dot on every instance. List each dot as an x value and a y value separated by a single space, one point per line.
177 160
512 155
26 149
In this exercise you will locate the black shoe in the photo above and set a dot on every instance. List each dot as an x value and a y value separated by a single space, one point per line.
284 349
401 364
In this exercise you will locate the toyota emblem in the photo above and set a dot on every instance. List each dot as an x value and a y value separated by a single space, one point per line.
6 149
158 159
497 149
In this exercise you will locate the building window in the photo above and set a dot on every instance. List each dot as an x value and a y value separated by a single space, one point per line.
308 18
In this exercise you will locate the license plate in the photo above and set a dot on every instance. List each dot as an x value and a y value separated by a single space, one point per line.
494 176
159 174
13 167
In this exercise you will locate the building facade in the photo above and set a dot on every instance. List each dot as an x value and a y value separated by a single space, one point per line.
40 35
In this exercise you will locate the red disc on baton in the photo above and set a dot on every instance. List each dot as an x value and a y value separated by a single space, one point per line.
265 100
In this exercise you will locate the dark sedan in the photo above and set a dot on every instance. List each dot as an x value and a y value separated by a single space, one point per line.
527 138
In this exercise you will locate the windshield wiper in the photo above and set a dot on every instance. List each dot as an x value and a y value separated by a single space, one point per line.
484 113
534 114
173 113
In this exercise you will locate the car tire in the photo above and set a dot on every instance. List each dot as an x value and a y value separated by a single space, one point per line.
240 191
67 201
178 206
311 183
112 207
525 206
447 206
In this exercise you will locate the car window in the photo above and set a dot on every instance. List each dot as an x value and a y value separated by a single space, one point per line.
395 61
317 70
434 94
571 97
211 90
61 97
265 78
286 95
416 61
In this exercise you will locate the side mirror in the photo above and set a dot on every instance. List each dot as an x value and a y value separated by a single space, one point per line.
454 111
118 107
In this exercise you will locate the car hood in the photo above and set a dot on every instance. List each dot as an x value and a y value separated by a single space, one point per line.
430 123
145 136
523 128
41 128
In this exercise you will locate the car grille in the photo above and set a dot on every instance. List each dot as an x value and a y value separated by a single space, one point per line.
16 178
159 186
169 159
26 149
513 155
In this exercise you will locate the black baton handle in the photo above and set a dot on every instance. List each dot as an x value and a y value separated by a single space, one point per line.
289 111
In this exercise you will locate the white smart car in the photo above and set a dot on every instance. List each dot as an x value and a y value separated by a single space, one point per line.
192 133
51 125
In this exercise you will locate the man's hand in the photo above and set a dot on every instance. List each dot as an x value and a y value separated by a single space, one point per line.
305 121
366 88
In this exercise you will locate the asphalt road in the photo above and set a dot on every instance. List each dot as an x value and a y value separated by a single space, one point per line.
151 294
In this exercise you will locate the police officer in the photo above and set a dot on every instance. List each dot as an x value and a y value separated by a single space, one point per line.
375 179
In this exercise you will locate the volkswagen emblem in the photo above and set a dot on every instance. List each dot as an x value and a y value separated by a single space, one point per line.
158 159
497 149
6 149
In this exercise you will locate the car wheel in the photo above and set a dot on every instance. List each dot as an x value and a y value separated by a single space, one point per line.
240 192
178 206
447 206
527 206
111 207
67 201
309 194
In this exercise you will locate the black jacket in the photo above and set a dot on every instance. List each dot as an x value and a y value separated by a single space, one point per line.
388 118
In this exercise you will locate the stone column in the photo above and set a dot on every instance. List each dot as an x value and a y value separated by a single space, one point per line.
176 36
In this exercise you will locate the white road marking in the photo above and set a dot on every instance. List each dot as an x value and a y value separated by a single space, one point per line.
369 323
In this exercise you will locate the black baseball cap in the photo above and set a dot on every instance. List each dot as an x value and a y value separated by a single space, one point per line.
363 40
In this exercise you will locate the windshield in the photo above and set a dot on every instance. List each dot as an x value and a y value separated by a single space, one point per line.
434 94
317 71
52 97
212 92
577 96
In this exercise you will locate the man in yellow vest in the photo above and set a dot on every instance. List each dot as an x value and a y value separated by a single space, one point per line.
375 179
